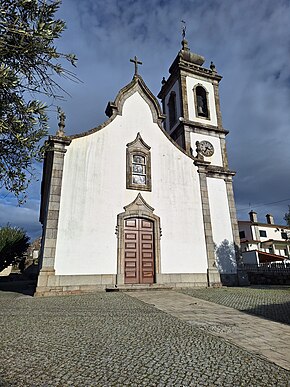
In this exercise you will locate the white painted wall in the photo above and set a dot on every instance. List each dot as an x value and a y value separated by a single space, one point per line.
216 158
190 83
221 225
176 89
94 193
273 232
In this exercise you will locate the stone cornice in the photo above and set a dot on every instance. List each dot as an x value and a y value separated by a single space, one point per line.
213 170
219 172
198 70
181 66
57 144
201 164
202 126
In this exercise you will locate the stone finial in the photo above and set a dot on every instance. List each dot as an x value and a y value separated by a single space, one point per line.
163 81
212 67
184 44
61 124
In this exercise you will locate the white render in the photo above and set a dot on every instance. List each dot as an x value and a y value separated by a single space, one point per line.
221 225
190 84
94 193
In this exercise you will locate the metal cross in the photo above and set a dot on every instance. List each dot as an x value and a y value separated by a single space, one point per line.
136 62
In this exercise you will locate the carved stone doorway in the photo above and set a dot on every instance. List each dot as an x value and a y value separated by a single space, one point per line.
139 232
139 251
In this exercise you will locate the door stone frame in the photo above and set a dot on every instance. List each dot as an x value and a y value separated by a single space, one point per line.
137 209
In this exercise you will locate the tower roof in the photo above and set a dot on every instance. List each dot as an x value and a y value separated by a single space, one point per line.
188 56
190 63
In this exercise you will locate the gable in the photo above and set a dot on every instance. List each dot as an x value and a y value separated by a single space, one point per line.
114 109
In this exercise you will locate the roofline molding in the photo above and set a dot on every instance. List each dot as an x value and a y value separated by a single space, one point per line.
116 108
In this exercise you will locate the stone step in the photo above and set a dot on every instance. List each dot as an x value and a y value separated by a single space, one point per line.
137 287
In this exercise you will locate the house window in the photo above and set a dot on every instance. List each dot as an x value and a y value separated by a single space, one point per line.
242 234
263 233
284 235
201 102
172 109
138 168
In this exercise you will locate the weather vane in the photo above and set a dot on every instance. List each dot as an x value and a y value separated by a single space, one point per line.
136 62
183 27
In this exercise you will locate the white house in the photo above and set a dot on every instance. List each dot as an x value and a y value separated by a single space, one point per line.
263 242
146 198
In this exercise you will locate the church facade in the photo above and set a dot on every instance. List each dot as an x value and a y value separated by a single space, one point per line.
145 199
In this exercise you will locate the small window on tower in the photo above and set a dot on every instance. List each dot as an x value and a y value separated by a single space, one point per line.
138 169
201 103
172 109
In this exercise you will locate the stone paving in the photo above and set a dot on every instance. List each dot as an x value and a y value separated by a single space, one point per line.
257 335
112 339
271 302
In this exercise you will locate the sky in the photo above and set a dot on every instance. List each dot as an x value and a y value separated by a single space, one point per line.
249 42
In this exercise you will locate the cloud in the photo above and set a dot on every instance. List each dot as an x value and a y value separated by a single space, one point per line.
247 40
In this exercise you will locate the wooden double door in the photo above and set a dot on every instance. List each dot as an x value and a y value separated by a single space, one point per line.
139 251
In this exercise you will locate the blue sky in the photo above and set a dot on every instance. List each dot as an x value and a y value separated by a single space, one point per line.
248 41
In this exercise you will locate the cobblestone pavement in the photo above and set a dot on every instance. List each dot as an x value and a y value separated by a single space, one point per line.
111 339
257 335
270 302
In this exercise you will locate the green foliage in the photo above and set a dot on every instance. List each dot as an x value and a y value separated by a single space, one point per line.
287 217
28 62
13 244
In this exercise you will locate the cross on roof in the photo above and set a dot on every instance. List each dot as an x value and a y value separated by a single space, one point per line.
136 62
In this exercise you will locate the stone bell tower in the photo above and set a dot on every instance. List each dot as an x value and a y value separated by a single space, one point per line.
190 101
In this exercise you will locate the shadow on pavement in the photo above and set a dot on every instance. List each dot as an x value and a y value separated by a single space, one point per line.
270 302
275 312
18 283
